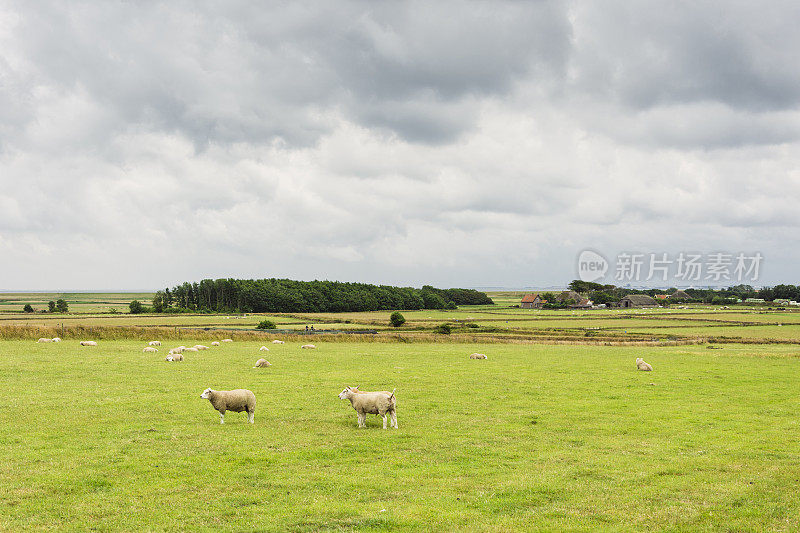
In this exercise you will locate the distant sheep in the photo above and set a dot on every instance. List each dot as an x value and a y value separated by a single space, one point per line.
308 347
376 403
192 349
641 365
263 349
56 339
236 400
227 340
154 343
149 349
215 343
478 356
45 340
179 349
262 363
88 343
276 341
201 347
174 357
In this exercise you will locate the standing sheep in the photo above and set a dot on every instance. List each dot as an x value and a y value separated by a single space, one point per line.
236 400
375 403
88 343
149 349
154 343
641 365
262 363
174 357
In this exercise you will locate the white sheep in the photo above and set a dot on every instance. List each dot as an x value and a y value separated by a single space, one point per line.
215 343
263 349
179 349
236 400
641 365
56 339
45 340
276 341
174 357
376 403
149 349
308 347
154 343
227 340
262 363
201 347
192 349
478 356
88 343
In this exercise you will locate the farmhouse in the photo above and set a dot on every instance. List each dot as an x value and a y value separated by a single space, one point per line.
662 296
680 295
638 300
532 301
573 299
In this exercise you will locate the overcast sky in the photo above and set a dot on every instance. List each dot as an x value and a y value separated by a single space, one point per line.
446 143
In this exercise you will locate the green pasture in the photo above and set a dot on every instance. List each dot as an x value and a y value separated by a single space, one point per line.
78 302
536 438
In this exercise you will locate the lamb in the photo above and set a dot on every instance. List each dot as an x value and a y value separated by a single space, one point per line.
262 363
88 343
45 340
227 340
174 357
149 349
236 400
154 343
201 347
263 349
641 365
276 341
376 403
478 356
56 339
308 347
215 343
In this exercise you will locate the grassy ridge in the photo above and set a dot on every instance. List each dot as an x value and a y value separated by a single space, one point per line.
535 438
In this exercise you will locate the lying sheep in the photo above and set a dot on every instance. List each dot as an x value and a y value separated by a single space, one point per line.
308 347
192 349
276 341
478 356
56 339
201 347
641 365
236 400
45 340
263 349
227 340
215 343
154 343
376 403
174 357
262 363
88 343
149 349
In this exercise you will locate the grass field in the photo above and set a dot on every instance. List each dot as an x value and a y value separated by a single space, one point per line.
537 437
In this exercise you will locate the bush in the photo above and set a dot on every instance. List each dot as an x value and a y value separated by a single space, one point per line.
444 329
28 308
397 319
266 324
136 307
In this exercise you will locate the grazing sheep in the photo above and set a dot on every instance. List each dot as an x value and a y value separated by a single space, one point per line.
191 349
308 347
236 400
174 357
149 349
88 343
201 347
45 340
262 363
276 341
215 343
376 403
179 349
227 340
263 349
641 365
154 343
56 339
478 356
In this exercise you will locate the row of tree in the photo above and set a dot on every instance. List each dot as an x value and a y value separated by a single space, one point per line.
289 296
59 305
601 294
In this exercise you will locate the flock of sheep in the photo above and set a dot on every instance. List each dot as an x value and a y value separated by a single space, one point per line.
381 403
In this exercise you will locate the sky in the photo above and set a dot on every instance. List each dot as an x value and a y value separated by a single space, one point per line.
457 144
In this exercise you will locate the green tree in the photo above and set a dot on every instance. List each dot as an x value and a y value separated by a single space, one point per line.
266 324
397 319
61 305
158 302
28 308
51 306
136 307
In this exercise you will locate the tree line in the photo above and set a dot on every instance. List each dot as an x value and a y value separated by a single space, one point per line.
290 296
601 294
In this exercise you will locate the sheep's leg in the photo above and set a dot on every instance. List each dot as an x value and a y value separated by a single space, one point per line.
393 416
221 417
251 416
362 420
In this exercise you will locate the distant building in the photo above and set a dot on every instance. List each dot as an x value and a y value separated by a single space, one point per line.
662 296
680 295
638 300
532 301
754 300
